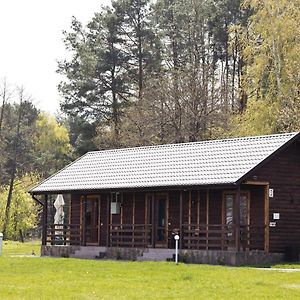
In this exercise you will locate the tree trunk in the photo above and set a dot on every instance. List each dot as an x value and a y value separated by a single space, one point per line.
4 100
13 170
140 57
4 95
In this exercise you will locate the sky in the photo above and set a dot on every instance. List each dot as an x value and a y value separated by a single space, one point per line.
31 43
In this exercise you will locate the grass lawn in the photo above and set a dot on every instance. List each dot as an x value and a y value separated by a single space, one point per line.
52 278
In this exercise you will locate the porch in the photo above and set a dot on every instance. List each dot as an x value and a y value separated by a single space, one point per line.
220 219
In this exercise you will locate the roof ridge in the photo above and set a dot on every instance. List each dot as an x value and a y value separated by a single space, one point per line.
171 145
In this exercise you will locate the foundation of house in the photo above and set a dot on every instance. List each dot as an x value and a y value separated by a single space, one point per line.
212 257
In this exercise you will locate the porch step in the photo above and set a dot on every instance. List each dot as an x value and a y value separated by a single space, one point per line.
152 254
88 252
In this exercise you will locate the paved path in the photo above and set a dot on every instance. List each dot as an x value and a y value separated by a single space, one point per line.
279 270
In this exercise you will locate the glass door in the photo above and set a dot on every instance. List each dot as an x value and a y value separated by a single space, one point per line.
244 208
228 215
161 220
92 218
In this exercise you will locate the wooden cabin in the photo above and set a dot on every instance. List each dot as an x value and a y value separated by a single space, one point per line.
231 201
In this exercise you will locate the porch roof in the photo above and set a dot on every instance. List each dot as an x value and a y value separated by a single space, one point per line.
188 164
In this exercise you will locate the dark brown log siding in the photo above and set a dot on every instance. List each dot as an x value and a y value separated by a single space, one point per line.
75 209
139 214
215 207
283 174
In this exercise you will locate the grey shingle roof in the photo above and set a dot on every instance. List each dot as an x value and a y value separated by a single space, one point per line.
199 163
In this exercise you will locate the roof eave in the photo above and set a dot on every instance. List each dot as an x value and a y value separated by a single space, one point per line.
137 189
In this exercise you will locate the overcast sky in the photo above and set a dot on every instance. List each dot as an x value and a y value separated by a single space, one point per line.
31 43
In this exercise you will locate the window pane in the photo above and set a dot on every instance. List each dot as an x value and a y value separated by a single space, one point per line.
229 209
244 210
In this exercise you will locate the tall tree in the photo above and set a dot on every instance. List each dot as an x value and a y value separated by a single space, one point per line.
271 73
5 94
51 146
95 89
24 213
139 42
14 163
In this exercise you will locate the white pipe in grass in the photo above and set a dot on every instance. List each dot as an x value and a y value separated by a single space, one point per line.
176 237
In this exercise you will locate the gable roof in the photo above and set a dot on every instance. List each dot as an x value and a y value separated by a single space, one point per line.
198 163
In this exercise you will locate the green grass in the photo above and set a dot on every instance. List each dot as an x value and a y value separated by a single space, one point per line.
52 278
15 249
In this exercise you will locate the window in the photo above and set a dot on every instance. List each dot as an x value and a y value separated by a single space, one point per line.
115 204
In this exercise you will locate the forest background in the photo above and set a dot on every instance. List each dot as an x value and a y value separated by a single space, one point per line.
147 72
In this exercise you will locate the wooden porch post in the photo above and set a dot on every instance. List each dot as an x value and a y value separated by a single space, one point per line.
108 220
267 208
198 208
190 219
180 220
153 220
133 219
83 220
44 221
207 218
236 212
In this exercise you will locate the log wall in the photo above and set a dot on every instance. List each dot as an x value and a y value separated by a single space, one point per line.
283 174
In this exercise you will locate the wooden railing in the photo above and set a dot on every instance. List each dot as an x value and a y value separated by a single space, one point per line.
221 237
194 236
130 235
205 237
252 237
57 234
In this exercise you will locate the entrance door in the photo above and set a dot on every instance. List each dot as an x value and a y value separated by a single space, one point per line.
92 220
244 208
162 203
228 208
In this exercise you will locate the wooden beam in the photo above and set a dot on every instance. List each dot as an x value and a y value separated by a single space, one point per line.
236 212
99 219
153 221
108 220
146 209
146 219
253 182
190 217
198 207
248 199
45 220
180 220
267 214
84 220
121 208
223 219
207 217
133 208
167 218
190 209
133 217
